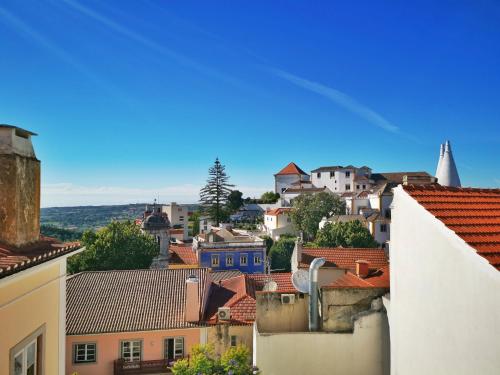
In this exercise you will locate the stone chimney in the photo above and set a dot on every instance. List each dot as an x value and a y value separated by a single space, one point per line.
362 268
19 187
192 299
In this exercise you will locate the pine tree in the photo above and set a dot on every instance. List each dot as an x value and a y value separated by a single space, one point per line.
213 197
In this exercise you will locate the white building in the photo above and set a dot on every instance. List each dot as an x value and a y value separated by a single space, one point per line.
278 221
444 305
290 176
178 216
342 179
206 224
446 171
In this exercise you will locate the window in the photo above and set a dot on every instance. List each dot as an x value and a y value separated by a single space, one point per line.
26 358
174 348
357 187
229 260
181 218
388 213
348 186
283 190
257 260
204 222
131 350
383 227
288 220
318 174
234 340
347 174
243 259
84 353
364 187
215 260
332 174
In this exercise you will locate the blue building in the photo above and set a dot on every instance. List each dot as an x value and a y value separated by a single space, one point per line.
227 249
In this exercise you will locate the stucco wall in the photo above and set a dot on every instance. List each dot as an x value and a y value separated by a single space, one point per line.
444 308
108 348
29 300
220 336
273 316
206 256
363 352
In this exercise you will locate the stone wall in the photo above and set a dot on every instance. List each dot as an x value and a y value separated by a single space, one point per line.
19 199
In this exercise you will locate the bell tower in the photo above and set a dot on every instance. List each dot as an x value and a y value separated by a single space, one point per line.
19 187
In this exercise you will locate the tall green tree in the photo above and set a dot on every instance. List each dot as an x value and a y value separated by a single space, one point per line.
348 234
234 200
119 245
215 194
269 197
281 254
311 208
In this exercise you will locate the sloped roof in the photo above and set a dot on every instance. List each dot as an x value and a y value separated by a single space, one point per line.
473 214
332 168
283 279
129 300
14 260
291 168
278 211
379 279
344 257
182 254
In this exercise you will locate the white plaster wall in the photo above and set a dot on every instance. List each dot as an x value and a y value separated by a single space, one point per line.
178 215
366 351
284 181
445 305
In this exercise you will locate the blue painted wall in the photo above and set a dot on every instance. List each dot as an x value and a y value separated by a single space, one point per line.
206 260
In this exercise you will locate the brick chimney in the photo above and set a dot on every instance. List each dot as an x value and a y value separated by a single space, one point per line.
362 268
192 299
19 187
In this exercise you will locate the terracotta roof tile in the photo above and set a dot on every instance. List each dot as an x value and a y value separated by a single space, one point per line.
183 254
278 211
379 279
283 279
129 300
473 214
14 260
343 257
291 168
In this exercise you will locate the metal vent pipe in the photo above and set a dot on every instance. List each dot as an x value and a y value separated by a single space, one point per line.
313 293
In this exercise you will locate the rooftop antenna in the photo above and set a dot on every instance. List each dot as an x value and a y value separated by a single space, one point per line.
300 280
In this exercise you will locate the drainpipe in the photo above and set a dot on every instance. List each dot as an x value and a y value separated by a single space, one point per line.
313 293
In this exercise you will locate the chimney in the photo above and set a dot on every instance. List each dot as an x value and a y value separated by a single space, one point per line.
362 268
192 299
19 187
447 174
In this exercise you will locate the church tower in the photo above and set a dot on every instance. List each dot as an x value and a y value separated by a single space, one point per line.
156 224
446 172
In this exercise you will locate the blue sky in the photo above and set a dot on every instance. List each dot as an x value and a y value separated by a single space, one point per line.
135 99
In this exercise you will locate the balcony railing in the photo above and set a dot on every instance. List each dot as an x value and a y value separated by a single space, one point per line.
122 367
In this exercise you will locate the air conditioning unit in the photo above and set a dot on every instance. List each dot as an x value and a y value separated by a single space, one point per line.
224 313
288 299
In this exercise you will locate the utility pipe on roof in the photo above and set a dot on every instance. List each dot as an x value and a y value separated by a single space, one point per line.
313 293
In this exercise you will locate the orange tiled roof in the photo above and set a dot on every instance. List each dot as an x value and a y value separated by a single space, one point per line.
473 214
278 211
283 279
380 279
183 254
291 168
344 257
14 260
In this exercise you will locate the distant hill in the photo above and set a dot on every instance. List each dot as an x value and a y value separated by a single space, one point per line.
91 217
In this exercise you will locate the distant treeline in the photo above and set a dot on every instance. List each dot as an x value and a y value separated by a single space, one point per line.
64 235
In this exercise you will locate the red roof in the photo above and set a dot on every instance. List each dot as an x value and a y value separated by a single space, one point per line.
238 293
13 260
380 279
344 257
279 211
473 214
291 168
182 254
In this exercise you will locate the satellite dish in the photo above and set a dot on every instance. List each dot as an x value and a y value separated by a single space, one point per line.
300 280
270 286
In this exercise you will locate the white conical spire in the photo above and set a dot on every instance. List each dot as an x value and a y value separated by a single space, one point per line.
441 153
447 173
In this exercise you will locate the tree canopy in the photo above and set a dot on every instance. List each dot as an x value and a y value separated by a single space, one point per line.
234 200
348 234
269 197
214 196
281 254
310 209
119 245
203 360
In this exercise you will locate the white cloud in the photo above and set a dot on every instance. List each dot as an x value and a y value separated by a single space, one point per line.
68 194
339 98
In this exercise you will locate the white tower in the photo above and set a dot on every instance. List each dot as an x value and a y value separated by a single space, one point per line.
158 226
446 172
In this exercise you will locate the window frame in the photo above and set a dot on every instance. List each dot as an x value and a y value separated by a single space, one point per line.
246 259
38 337
383 228
231 341
212 257
141 346
174 338
260 260
75 344
348 187
348 174
229 256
